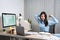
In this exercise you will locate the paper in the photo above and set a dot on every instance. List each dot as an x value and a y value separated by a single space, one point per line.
34 33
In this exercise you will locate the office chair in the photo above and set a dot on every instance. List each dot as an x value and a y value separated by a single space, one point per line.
52 29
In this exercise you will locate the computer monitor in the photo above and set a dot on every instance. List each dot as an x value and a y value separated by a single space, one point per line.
8 19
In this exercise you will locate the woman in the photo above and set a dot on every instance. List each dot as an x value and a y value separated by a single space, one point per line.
44 23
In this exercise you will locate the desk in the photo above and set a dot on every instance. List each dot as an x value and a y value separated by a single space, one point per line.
18 36
24 37
32 36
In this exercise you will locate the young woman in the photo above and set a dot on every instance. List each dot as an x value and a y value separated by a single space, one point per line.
44 23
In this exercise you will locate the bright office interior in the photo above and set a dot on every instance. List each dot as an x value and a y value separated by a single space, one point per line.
27 9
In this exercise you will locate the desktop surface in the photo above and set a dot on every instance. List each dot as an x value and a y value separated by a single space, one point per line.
32 35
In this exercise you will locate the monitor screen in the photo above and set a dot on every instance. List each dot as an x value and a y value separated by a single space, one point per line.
8 19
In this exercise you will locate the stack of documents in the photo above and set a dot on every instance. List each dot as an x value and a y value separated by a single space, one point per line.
33 33
42 35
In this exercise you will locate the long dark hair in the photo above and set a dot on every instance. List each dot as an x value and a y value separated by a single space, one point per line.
45 21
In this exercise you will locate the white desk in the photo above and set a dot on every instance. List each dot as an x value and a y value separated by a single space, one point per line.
24 37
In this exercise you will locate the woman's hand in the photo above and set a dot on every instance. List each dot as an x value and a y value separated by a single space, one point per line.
50 15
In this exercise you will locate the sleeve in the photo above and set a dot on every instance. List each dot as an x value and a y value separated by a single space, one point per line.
53 21
37 18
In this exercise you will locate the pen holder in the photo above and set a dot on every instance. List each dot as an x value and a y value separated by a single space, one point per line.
11 31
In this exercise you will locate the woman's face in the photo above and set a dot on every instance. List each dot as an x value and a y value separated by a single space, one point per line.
43 17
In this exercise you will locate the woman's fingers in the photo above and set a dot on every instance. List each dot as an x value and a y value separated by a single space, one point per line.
50 15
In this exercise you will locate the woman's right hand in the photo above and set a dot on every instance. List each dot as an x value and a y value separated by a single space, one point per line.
50 15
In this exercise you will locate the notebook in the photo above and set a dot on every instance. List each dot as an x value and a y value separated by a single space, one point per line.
20 31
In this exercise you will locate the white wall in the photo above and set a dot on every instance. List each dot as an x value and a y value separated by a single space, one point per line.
57 14
12 6
33 7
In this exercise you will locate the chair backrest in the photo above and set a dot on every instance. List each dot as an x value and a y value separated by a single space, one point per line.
52 29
